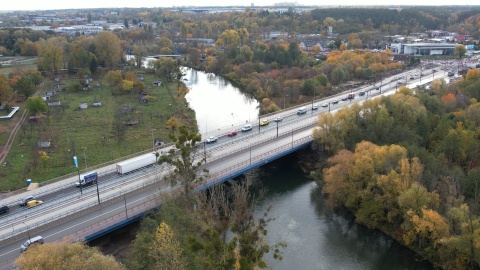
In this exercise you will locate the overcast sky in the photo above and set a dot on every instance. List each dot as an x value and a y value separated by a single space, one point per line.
76 4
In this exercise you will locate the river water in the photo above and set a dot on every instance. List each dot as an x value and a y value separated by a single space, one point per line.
218 105
317 237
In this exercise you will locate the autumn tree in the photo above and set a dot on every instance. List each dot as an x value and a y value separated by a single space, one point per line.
108 49
5 89
166 250
51 53
467 240
65 256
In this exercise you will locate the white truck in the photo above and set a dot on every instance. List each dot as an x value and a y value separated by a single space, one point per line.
87 178
136 163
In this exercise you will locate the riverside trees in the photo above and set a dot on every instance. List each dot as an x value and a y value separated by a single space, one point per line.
190 231
416 179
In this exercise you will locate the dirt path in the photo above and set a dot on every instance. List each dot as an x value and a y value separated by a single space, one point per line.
6 147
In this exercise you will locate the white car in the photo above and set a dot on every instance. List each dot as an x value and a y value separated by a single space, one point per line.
325 105
278 119
247 128
212 139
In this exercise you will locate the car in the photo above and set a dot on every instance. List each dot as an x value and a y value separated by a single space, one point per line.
25 200
412 78
399 82
232 133
344 98
247 128
301 111
33 240
378 88
212 139
315 107
335 101
361 93
264 122
278 119
325 105
34 203
4 209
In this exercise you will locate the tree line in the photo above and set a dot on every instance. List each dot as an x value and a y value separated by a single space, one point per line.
407 164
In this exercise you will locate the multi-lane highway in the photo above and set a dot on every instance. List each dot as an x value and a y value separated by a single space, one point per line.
67 212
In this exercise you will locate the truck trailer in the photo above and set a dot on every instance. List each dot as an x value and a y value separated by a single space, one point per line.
87 179
136 163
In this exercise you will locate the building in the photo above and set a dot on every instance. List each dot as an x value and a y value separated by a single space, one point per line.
419 49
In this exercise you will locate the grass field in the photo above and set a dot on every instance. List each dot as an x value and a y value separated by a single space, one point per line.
91 134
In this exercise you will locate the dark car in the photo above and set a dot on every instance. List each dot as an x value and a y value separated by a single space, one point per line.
4 209
25 200
231 134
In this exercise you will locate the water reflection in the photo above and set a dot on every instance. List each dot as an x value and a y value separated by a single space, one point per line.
317 236
219 106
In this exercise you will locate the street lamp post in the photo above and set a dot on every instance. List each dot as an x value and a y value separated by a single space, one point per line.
85 156
153 141
75 161
28 231
277 129
205 151
125 203
284 97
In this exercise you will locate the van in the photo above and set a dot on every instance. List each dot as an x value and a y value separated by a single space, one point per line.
302 110
34 240
87 178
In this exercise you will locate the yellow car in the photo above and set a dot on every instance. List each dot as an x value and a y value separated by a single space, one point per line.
264 123
33 203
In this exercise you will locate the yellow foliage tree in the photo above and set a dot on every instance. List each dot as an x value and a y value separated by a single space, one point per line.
166 250
65 256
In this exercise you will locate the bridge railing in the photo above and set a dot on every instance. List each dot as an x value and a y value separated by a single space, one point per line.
232 171
32 226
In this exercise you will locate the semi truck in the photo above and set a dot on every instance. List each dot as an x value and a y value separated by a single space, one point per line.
136 163
87 179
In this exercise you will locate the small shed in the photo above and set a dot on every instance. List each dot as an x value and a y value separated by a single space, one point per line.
33 119
83 105
53 103
157 83
43 143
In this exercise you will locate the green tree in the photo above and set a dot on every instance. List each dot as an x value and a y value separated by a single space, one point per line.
36 105
468 241
25 86
184 159
166 69
460 50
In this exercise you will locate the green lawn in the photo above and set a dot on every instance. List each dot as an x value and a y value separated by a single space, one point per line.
71 130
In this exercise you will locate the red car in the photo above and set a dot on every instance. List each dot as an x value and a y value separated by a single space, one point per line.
231 134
